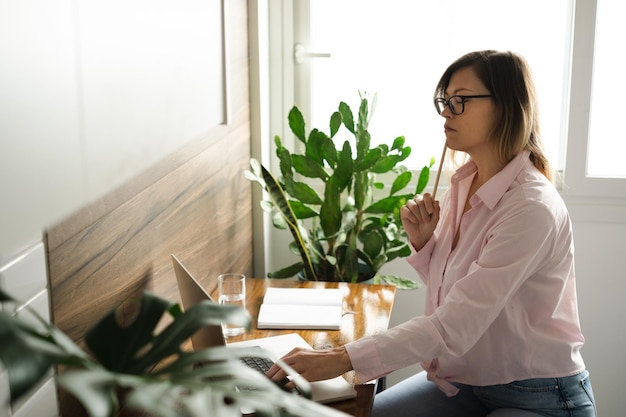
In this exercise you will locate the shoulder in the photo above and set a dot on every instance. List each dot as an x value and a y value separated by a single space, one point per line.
532 195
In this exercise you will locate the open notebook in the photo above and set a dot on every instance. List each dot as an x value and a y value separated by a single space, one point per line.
192 292
301 308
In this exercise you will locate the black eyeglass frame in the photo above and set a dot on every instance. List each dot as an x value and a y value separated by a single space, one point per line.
463 99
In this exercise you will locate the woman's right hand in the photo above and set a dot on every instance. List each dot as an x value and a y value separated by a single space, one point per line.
419 218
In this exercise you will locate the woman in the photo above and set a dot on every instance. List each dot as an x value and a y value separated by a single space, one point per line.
500 335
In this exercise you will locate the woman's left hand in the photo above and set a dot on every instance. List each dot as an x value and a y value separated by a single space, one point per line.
314 365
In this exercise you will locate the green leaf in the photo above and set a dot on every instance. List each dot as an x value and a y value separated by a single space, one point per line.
254 174
286 164
168 342
364 117
379 261
301 211
344 169
330 152
406 151
400 182
105 338
398 252
398 143
349 262
363 141
385 164
399 282
287 272
330 212
370 159
346 115
278 221
280 201
29 348
95 389
386 205
303 192
335 123
372 243
296 123
308 167
25 366
314 146
362 193
422 182
267 205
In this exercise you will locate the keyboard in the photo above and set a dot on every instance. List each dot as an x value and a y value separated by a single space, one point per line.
262 365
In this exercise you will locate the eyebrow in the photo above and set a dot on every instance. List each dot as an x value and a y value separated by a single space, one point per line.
459 90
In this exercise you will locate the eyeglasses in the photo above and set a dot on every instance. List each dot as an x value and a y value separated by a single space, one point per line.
456 103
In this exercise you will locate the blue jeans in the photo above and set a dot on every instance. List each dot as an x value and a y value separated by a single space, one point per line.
551 397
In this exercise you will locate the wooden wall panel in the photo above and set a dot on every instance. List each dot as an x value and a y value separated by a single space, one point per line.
201 211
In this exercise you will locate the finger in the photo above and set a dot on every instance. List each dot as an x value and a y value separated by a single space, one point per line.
272 371
292 353
436 211
407 214
424 214
414 206
277 376
428 203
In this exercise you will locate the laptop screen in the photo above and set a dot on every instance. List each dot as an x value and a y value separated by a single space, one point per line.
191 293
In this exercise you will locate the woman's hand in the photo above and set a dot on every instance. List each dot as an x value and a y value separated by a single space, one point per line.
314 365
419 218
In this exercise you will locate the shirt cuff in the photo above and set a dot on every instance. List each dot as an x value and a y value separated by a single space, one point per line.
365 359
420 260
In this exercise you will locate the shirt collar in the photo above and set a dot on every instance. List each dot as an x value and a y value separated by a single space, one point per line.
492 191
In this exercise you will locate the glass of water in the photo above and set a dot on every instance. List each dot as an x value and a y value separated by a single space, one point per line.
232 290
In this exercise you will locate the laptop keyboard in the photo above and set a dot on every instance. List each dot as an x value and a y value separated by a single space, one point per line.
258 363
262 365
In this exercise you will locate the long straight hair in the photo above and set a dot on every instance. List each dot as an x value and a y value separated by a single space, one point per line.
508 77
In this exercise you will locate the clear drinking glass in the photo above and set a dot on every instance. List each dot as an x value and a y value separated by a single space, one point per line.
232 290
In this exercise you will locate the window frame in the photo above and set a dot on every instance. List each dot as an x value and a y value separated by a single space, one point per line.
577 184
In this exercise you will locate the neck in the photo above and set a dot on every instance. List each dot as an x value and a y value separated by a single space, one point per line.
487 166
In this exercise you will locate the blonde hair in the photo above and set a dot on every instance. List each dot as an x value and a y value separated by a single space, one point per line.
508 77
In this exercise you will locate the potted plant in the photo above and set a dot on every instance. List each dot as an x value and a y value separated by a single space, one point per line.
350 229
137 369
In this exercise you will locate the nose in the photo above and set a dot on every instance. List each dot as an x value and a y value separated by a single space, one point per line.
446 112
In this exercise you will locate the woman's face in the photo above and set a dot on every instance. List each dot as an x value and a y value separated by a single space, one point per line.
469 132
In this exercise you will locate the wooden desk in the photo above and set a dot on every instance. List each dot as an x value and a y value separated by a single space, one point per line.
367 308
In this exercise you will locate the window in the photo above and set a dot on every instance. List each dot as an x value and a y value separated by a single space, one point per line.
604 132
398 49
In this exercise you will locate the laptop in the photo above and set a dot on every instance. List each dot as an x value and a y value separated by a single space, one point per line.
191 293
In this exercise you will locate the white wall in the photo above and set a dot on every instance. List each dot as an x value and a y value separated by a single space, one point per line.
92 93
600 239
